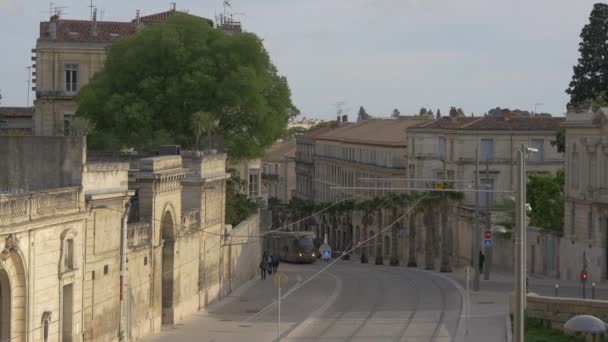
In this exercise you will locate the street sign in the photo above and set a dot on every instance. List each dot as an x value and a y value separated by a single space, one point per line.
280 279
326 254
487 234
439 185
487 243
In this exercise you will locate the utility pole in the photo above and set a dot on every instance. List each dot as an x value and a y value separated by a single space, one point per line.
520 261
488 264
476 232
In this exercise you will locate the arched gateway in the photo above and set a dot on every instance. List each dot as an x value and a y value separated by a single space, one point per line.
12 292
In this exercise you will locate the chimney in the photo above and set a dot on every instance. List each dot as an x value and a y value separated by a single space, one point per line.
94 26
51 29
344 118
173 6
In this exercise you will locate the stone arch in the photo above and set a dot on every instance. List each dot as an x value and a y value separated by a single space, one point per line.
12 292
168 234
68 234
168 228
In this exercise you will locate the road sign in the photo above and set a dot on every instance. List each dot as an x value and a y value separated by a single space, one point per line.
487 234
280 279
326 254
439 185
487 243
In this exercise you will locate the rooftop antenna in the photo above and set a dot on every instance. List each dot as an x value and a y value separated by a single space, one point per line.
101 13
91 7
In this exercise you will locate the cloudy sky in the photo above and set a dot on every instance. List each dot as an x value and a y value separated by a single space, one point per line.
382 54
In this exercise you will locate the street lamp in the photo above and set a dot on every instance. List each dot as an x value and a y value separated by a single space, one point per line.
520 246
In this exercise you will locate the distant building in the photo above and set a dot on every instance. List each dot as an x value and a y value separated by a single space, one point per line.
585 243
279 173
445 148
17 119
304 123
375 148
68 54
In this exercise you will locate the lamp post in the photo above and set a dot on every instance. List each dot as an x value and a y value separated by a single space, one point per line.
520 246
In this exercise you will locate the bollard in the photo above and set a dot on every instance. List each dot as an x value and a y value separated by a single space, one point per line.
556 290
593 290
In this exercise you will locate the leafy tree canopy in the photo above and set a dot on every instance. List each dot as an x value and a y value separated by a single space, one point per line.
154 82
422 111
591 73
546 197
362 115
395 113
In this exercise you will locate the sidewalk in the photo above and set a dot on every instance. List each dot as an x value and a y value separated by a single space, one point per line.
488 310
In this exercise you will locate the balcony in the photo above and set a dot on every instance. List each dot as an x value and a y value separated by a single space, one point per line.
270 177
57 94
23 207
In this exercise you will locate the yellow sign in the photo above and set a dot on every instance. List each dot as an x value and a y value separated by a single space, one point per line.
438 185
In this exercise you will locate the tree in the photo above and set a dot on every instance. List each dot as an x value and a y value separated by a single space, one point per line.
238 206
430 113
295 131
560 140
591 73
438 113
422 111
319 125
545 195
203 123
293 112
153 83
362 115
396 113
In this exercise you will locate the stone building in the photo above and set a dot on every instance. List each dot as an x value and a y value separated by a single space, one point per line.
375 148
63 221
17 119
250 172
585 241
67 55
279 173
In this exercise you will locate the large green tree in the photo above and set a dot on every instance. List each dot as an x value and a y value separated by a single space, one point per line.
545 193
154 82
591 73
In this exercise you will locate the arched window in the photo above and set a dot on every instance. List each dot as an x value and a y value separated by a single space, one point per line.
68 259
46 321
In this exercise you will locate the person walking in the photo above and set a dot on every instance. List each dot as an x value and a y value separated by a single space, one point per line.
275 264
263 268
269 263
481 260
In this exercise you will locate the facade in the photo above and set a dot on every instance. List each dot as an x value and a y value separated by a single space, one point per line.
250 172
304 123
446 148
17 119
585 241
60 269
279 173
375 148
68 54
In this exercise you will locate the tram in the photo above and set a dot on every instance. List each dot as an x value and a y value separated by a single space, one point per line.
295 247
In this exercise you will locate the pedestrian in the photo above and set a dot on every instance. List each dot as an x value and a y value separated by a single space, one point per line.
269 263
263 268
275 264
481 260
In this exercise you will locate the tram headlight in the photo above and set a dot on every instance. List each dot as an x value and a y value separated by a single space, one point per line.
300 254
313 254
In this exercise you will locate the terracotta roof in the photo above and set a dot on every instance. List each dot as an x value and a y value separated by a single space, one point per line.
319 131
536 123
80 31
385 132
17 112
282 150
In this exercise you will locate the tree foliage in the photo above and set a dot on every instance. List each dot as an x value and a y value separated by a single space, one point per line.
395 113
422 111
546 197
362 115
591 73
238 206
154 81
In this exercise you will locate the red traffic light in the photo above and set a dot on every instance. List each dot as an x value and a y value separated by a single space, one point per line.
583 276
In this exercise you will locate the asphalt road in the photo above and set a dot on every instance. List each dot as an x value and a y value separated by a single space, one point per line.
348 302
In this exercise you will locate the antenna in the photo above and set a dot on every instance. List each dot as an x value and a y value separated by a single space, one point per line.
91 7
29 80
101 13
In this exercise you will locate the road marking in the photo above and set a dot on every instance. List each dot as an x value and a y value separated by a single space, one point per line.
274 302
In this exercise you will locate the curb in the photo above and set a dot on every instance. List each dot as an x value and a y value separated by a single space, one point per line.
461 329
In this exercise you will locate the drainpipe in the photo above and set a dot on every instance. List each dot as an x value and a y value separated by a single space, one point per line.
123 269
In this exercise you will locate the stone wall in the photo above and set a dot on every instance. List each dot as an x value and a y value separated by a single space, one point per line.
42 162
245 250
559 310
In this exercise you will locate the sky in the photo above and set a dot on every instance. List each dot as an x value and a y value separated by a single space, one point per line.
380 54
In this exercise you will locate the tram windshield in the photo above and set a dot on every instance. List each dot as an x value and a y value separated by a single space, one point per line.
305 244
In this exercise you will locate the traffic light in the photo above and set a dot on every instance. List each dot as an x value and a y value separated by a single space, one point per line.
584 276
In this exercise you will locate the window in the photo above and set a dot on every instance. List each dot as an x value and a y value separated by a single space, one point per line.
574 168
487 150
485 197
573 220
538 144
592 170
451 150
71 78
67 123
441 147
590 225
254 182
106 269
68 258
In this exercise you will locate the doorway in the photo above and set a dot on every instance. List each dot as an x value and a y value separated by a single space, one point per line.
167 268
68 314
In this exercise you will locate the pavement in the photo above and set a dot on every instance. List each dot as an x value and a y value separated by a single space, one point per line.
350 302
